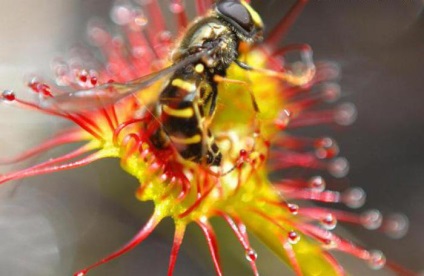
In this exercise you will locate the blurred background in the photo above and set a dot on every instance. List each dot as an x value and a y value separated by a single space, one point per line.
57 224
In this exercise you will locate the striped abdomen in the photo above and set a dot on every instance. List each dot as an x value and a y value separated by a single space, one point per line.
184 102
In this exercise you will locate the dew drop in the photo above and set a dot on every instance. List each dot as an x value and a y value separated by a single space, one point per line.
317 184
46 91
345 114
293 237
283 118
321 153
141 20
97 34
176 6
339 167
34 84
139 52
326 148
94 77
324 142
121 15
331 92
82 77
354 197
8 95
331 70
376 260
164 37
329 244
396 225
93 80
293 208
61 71
81 273
371 219
251 255
329 222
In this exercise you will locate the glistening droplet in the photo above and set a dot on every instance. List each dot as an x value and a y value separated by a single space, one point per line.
345 114
317 184
176 6
396 225
8 95
377 260
293 237
329 222
293 208
339 167
81 273
371 219
251 255
354 197
283 118
121 15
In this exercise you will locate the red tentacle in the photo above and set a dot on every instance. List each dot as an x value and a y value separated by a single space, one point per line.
291 255
212 244
278 33
43 167
61 139
141 236
178 239
243 239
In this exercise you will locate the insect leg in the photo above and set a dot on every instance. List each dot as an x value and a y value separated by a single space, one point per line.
219 79
257 127
287 76
202 125
214 96
210 153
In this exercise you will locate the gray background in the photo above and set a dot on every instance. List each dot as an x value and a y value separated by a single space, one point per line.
57 224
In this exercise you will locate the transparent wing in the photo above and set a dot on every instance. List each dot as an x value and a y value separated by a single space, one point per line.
109 93
99 96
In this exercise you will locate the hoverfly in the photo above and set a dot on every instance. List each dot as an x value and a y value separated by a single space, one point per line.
206 50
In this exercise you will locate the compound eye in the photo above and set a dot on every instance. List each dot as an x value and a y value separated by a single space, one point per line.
236 13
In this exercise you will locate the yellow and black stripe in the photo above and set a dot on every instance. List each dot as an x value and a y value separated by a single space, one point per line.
183 104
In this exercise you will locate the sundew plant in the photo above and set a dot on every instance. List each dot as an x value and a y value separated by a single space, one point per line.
114 98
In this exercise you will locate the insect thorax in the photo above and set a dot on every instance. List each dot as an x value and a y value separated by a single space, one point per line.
209 33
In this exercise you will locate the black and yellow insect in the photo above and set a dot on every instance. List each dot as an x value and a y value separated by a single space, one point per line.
191 93
206 50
